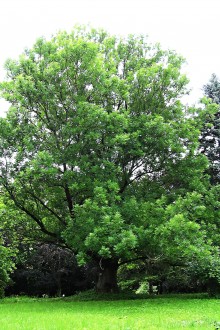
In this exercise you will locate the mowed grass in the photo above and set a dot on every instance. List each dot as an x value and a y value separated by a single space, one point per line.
156 313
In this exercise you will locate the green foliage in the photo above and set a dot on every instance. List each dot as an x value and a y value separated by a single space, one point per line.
6 267
14 229
48 270
97 148
192 226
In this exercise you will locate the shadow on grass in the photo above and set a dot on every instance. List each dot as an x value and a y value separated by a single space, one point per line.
91 295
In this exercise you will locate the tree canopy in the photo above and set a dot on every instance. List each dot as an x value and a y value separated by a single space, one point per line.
97 145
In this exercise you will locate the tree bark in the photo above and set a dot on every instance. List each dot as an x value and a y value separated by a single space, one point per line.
107 277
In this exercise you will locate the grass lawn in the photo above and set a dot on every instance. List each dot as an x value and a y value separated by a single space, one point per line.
180 312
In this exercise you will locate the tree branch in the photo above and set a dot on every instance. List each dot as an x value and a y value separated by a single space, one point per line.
68 194
33 216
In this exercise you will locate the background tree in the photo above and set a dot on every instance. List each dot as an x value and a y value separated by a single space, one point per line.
49 270
95 137
210 137
212 89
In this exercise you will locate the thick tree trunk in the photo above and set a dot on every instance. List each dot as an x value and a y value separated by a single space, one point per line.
107 279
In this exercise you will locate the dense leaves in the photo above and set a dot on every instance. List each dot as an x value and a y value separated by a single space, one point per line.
6 267
49 270
97 145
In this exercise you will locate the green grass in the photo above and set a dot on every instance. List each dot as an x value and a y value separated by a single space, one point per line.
180 312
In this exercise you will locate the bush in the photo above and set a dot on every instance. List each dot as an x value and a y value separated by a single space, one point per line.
6 267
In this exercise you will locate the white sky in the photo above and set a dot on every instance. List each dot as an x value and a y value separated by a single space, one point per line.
191 27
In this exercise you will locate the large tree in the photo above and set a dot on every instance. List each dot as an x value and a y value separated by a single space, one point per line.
95 137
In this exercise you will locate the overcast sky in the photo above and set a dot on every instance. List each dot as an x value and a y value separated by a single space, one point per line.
191 27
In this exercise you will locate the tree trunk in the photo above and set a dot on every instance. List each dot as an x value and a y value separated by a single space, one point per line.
107 277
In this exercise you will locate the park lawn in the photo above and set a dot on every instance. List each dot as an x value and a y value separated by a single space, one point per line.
156 313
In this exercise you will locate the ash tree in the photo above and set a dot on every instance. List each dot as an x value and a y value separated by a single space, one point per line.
96 144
